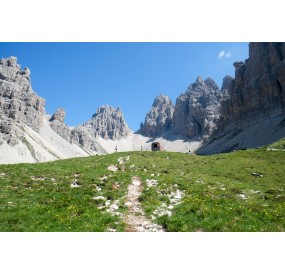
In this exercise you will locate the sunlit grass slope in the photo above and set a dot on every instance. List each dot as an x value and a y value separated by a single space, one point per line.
239 191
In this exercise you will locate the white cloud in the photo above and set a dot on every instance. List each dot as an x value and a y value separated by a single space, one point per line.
224 54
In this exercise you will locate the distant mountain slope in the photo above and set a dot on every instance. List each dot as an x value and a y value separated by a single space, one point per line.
247 112
28 134
45 145
25 133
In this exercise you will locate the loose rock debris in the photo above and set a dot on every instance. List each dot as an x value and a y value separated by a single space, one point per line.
113 168
175 198
257 175
75 185
135 217
38 178
243 196
151 183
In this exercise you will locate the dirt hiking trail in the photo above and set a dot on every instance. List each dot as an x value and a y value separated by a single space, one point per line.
135 217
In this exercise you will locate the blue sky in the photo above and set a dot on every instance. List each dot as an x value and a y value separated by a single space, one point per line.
83 76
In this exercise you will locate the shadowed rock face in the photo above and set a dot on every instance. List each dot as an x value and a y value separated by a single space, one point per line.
198 110
258 90
18 102
227 81
107 123
254 113
159 119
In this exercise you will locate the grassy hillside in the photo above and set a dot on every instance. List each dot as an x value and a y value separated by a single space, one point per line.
240 191
278 145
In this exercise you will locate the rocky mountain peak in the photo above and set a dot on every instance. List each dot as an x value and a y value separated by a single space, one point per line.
58 115
18 103
227 80
211 83
108 111
10 61
199 79
108 123
203 86
159 118
161 100
197 111
58 125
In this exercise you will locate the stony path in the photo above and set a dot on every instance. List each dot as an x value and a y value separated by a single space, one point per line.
135 217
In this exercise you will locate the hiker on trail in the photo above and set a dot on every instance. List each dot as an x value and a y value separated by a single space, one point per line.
141 148
116 149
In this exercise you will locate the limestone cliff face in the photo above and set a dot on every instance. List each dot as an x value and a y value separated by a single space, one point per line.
107 123
256 99
258 90
227 81
58 125
159 120
81 136
198 110
18 103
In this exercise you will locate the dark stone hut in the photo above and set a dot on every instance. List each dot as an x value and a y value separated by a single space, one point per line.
155 146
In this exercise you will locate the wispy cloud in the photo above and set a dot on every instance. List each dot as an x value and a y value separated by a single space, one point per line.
224 54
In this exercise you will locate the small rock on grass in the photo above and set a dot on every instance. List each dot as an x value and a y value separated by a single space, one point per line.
113 168
128 204
75 185
243 196
136 182
257 175
99 198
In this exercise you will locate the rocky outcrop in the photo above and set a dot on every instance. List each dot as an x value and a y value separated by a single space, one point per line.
258 90
81 136
59 115
227 81
26 134
107 123
159 119
18 103
198 110
58 125
256 97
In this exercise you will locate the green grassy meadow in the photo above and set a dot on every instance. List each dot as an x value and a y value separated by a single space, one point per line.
243 191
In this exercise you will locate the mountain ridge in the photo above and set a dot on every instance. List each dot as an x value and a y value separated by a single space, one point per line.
246 112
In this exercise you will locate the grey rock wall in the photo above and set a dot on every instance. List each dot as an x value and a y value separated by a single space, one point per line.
18 103
254 113
258 90
107 123
159 120
58 125
198 110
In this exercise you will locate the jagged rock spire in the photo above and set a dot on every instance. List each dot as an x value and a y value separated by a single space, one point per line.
159 119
